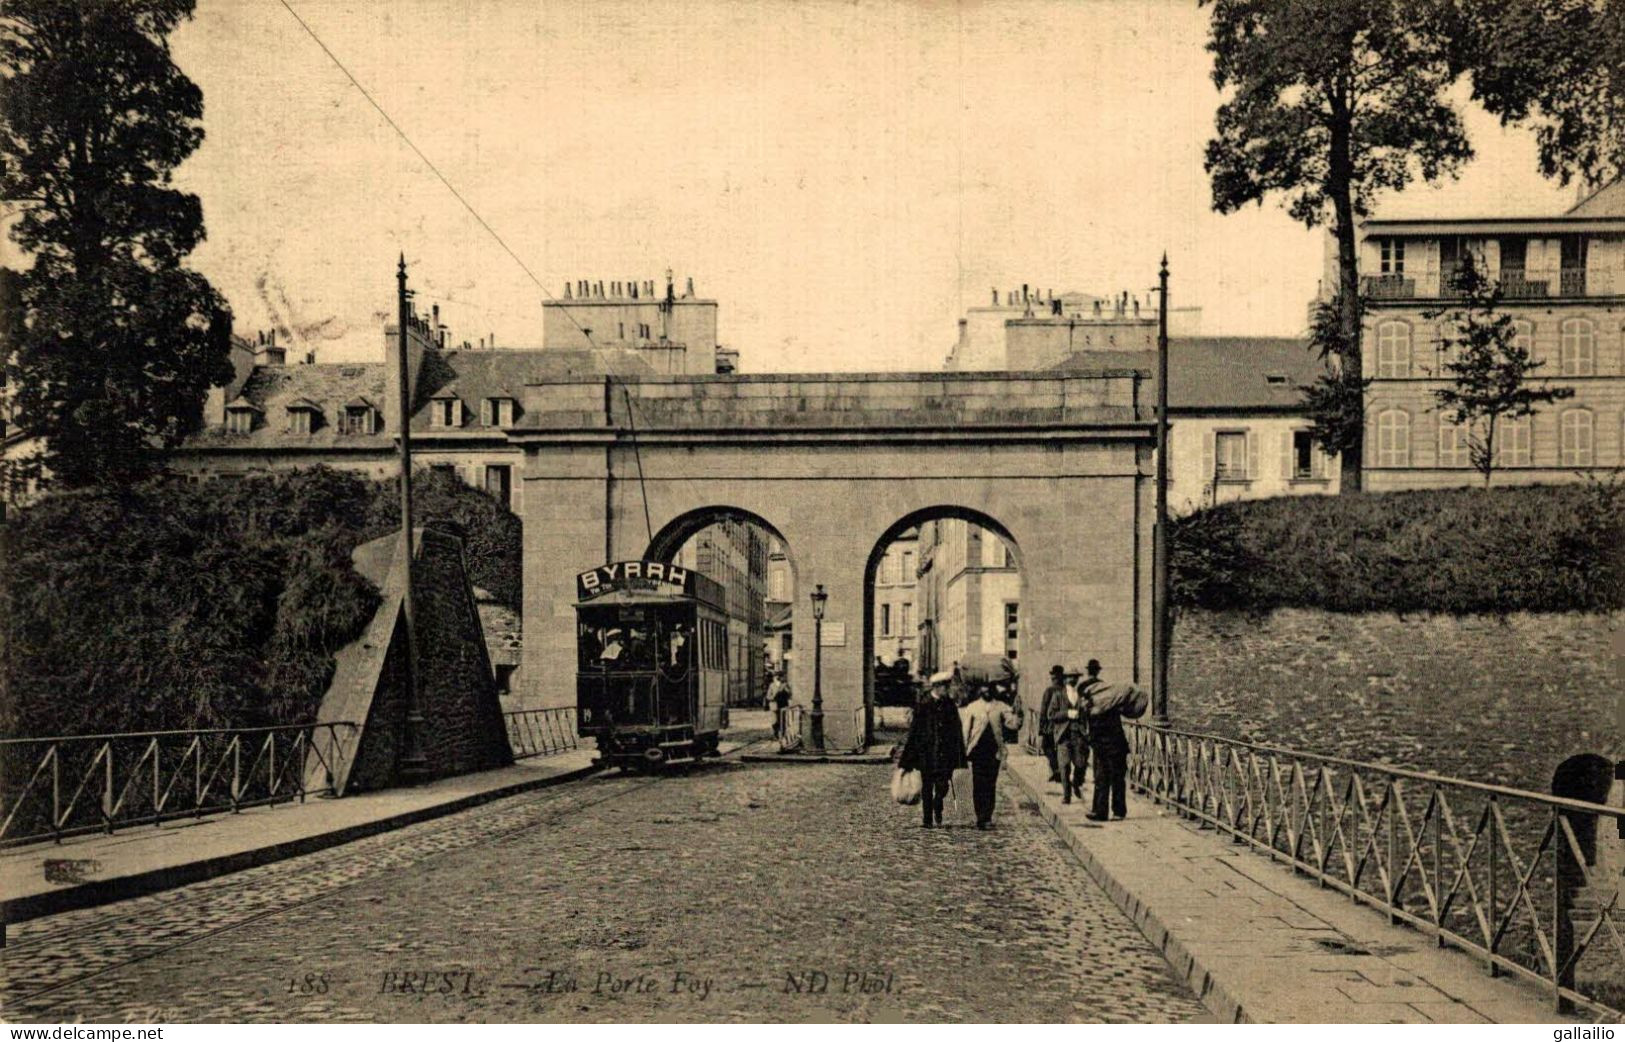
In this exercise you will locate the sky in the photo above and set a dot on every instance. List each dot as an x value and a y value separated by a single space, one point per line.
843 178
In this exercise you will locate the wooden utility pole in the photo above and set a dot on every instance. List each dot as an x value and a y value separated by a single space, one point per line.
414 766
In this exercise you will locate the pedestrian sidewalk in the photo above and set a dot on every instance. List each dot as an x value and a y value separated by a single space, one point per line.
46 878
1259 944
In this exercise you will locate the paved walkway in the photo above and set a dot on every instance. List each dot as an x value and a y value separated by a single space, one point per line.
1262 945
47 878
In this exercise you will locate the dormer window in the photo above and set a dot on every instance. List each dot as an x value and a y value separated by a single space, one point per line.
446 412
1275 379
499 412
240 418
304 416
359 417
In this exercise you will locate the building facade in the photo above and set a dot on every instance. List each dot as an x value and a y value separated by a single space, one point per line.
896 619
673 333
274 416
1562 281
969 588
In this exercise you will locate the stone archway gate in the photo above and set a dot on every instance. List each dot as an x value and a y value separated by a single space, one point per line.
1063 461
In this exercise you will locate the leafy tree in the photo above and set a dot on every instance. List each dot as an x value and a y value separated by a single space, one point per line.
1336 400
117 342
1557 65
1330 102
1490 369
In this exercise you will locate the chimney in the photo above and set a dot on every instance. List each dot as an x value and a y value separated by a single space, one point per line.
482 343
1024 293
690 291
995 296
567 295
493 341
600 289
634 286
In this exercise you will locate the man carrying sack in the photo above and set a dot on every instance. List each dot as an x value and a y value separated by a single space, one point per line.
1108 705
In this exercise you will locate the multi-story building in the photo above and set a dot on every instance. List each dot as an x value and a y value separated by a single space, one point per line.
735 554
276 416
969 591
1018 333
1562 280
896 623
777 648
674 334
1236 424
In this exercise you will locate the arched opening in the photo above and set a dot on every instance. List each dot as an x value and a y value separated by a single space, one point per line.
943 587
751 560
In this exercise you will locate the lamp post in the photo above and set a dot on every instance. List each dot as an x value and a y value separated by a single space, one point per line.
818 599
1160 620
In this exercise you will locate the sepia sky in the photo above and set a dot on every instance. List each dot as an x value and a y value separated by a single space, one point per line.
844 178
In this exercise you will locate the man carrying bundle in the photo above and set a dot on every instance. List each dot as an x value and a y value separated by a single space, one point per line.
1108 705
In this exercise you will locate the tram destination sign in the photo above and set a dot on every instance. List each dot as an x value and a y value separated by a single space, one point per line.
633 575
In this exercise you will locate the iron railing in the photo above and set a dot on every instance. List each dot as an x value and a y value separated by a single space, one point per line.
541 732
51 788
795 730
1498 872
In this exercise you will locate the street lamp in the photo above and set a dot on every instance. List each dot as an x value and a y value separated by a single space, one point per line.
818 599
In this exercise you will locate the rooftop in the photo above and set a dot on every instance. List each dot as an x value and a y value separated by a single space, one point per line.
1218 373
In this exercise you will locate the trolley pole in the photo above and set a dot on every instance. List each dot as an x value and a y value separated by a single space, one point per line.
1160 619
414 766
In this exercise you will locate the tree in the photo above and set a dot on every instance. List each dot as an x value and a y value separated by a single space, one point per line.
1336 400
117 341
1330 102
1490 369
1558 66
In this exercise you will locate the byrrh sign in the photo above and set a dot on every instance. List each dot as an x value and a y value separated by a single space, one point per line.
633 575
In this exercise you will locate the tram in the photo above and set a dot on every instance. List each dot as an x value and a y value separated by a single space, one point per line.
651 663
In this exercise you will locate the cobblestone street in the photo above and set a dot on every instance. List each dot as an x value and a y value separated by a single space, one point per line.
699 896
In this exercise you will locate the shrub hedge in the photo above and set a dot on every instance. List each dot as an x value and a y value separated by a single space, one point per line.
1454 551
174 605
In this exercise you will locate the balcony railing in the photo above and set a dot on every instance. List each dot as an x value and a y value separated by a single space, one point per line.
541 732
1389 287
1495 871
51 788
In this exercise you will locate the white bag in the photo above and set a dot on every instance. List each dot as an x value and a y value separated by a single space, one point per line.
905 787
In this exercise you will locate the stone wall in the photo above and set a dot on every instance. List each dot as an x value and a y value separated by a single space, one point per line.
463 728
1501 700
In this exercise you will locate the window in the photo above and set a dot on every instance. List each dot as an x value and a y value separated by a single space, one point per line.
1512 442
446 412
1230 456
444 469
1448 345
906 619
1523 335
1303 456
1577 436
1452 442
1393 438
908 571
885 620
358 419
499 484
1579 348
884 576
1393 256
498 412
1012 628
1393 350
299 421
240 421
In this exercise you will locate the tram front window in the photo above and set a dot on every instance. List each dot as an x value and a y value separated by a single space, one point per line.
617 641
